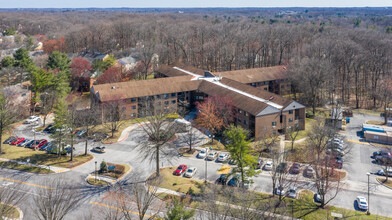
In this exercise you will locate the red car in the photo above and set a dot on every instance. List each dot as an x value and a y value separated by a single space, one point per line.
17 141
41 143
180 170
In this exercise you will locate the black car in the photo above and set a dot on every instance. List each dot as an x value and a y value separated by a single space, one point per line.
48 128
10 139
282 168
222 180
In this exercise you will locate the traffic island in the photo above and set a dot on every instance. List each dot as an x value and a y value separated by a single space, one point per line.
10 212
108 173
97 182
383 181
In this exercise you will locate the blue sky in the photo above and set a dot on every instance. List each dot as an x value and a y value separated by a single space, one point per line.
189 3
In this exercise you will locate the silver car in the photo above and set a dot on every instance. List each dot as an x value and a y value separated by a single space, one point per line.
190 172
222 157
212 155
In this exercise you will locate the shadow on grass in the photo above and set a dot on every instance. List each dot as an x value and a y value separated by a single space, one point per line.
55 160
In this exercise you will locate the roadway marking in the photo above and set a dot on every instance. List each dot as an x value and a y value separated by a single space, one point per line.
30 184
357 142
113 207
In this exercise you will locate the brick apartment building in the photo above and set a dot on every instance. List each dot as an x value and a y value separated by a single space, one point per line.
262 112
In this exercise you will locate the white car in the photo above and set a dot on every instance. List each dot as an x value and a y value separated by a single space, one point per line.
32 119
382 172
279 190
268 165
222 157
212 155
362 203
190 172
203 153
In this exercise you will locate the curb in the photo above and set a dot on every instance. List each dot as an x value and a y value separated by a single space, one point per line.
21 215
83 163
383 184
126 136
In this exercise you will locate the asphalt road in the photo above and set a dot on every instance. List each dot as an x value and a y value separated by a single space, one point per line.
128 152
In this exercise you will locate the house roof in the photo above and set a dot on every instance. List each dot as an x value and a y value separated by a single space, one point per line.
142 88
255 74
170 71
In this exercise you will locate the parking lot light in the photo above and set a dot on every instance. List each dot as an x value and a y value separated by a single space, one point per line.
95 171
368 212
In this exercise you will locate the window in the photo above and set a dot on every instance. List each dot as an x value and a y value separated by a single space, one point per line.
290 119
253 84
290 112
173 94
133 115
273 123
166 102
246 113
133 106
173 101
180 93
133 99
265 83
375 137
166 96
265 89
239 120
240 111
259 83
274 132
158 96
246 122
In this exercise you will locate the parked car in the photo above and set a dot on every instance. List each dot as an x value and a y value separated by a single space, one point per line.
309 171
17 141
190 172
259 164
362 203
81 133
279 190
222 180
68 149
9 140
282 168
234 181
28 144
317 197
268 165
180 170
23 143
100 149
383 172
212 155
32 144
45 146
203 153
295 168
335 152
42 142
292 193
76 131
222 157
32 119
49 128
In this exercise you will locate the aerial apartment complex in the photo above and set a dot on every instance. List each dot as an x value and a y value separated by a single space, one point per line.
254 92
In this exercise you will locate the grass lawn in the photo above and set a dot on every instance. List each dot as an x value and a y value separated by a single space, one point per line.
11 212
25 168
367 111
104 129
41 157
176 183
305 208
97 183
383 181
375 122
118 171
185 151
300 154
215 145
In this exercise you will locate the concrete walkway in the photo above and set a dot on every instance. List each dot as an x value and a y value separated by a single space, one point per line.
52 168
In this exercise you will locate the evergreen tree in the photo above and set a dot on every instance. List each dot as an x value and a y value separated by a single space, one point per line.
58 61
178 211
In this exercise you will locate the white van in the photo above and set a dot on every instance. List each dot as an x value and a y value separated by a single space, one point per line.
183 125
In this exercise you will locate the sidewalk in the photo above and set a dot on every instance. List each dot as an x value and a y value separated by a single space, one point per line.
52 168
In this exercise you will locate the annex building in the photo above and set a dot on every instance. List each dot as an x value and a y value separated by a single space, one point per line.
255 95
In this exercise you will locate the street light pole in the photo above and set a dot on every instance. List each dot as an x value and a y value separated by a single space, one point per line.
368 212
292 209
205 170
95 171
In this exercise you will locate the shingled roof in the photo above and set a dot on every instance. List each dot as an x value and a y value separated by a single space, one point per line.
142 88
255 74
170 71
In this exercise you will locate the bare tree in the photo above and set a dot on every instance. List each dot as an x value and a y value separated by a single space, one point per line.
8 115
113 116
190 137
159 130
88 119
292 132
10 196
56 200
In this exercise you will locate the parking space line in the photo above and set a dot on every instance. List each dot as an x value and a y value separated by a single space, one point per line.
30 184
120 209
